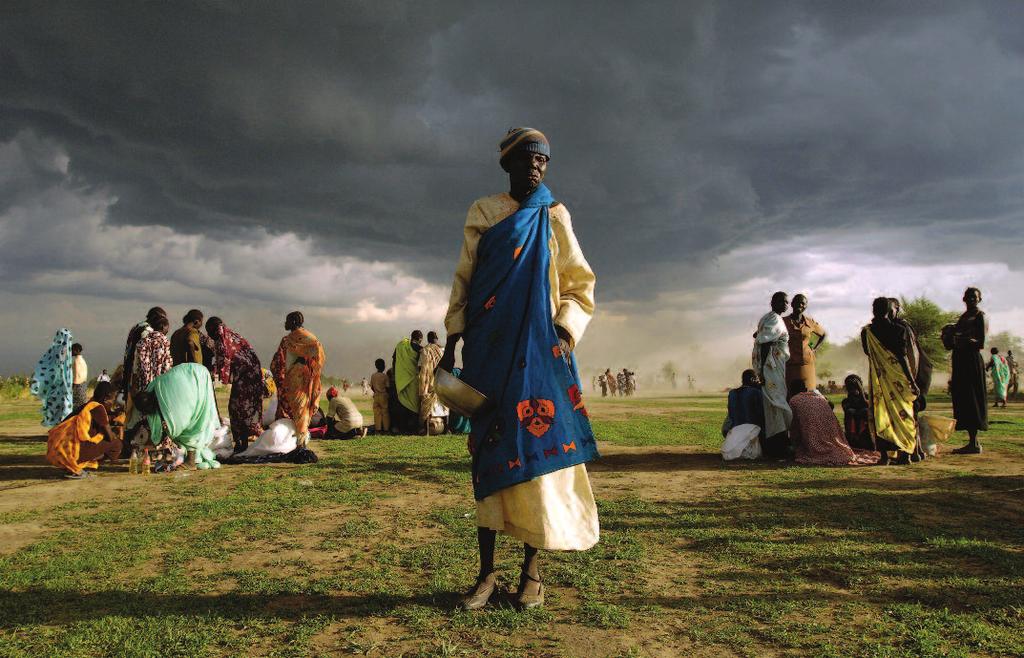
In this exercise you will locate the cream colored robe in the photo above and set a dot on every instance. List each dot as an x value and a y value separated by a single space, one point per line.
554 511
430 406
572 280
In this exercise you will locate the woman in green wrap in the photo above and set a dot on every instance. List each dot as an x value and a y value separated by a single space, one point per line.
180 405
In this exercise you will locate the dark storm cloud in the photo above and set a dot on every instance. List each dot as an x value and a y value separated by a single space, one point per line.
679 129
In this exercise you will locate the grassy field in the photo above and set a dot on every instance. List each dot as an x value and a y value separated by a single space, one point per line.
365 552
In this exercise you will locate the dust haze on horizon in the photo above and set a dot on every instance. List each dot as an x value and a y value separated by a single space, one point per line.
248 163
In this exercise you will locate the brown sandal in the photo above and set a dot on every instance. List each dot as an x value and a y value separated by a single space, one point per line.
480 594
527 601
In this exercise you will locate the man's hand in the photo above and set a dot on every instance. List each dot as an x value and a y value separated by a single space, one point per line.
564 341
447 361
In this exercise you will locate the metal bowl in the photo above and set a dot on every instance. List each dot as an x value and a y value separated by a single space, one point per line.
457 394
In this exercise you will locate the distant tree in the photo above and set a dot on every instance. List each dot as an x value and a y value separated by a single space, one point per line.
927 319
1004 340
836 360
668 369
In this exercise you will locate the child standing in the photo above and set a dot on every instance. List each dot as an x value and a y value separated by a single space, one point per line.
79 377
379 387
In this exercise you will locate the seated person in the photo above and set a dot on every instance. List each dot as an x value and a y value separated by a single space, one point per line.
746 405
855 415
343 419
86 436
317 419
816 433
179 404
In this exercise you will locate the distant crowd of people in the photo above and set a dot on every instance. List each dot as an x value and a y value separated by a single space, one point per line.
621 383
883 420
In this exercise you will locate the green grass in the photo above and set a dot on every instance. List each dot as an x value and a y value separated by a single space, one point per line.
365 553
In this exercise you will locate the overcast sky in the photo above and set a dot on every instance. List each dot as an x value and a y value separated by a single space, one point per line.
321 156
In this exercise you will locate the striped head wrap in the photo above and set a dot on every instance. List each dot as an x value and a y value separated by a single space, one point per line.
523 139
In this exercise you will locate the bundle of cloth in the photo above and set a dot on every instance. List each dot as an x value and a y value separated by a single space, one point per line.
279 438
223 445
742 442
278 443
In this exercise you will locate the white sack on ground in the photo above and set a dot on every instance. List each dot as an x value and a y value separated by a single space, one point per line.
742 443
222 444
279 438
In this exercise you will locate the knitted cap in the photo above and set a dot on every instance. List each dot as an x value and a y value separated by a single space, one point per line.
524 139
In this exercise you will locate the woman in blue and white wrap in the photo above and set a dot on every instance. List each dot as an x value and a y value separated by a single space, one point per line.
522 297
51 381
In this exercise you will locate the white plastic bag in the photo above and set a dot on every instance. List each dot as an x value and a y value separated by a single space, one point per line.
222 444
934 430
742 443
279 438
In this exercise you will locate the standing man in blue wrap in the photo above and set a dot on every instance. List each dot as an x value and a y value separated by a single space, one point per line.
522 297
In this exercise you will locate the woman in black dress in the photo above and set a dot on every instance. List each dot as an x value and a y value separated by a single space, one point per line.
967 339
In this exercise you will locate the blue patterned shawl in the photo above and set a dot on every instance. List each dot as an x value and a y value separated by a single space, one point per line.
51 381
536 423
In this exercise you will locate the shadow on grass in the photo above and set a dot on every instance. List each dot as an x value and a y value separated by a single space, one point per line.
951 543
966 484
432 469
43 606
27 467
654 460
21 441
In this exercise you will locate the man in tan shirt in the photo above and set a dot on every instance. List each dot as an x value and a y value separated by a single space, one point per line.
343 419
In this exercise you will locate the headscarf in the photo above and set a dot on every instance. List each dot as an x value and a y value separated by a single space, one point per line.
332 392
228 343
268 379
51 381
523 139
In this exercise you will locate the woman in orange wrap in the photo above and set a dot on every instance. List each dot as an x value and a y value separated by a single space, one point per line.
297 365
84 437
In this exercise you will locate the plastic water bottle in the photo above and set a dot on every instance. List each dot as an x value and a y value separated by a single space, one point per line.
145 464
133 463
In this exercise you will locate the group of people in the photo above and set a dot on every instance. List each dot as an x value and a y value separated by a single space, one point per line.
521 300
882 420
411 405
621 383
163 392
170 374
